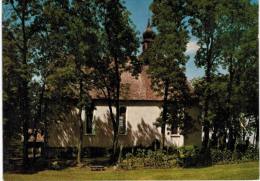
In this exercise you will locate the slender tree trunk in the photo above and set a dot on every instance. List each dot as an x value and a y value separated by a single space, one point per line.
257 132
35 132
113 123
214 139
230 118
116 99
80 136
117 102
164 116
45 146
37 119
209 63
25 118
80 141
206 124
25 112
222 140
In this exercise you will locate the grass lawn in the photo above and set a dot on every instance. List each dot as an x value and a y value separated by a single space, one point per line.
242 171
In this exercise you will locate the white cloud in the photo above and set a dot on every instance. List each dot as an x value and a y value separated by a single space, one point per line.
192 48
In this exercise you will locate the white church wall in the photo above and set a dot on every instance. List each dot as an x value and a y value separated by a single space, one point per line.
140 117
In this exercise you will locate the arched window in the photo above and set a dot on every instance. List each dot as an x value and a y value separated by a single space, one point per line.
89 128
122 120
174 128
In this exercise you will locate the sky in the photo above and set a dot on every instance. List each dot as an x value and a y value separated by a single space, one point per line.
140 13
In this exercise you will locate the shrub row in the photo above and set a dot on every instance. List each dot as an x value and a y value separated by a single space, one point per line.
226 156
188 156
148 159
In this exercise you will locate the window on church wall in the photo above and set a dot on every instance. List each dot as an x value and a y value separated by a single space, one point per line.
122 120
174 128
89 128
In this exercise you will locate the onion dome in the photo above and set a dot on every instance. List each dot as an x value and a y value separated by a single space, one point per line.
148 34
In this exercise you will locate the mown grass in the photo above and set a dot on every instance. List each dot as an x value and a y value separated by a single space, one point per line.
241 171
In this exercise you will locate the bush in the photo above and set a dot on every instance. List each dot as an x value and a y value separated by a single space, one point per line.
188 156
221 156
226 156
236 155
148 159
159 159
251 154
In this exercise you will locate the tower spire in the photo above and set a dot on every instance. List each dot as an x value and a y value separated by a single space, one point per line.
148 23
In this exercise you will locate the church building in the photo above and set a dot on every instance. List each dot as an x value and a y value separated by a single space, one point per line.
139 109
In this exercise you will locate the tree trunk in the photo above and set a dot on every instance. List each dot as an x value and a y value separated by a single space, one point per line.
45 147
222 140
164 116
214 139
257 132
80 141
37 119
117 102
117 96
230 124
80 105
113 123
25 112
206 124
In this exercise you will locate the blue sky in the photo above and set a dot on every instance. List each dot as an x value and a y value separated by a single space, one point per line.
140 13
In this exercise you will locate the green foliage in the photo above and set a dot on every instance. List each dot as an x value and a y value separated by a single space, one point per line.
221 156
225 33
19 28
148 159
251 153
166 60
119 44
226 156
188 156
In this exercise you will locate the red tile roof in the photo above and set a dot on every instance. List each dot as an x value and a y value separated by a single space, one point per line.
133 88
138 88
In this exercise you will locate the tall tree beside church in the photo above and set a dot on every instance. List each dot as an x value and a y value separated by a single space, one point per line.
48 51
84 46
204 23
237 19
19 25
71 30
166 55
120 44
248 67
11 108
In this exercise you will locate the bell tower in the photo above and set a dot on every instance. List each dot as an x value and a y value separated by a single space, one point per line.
148 36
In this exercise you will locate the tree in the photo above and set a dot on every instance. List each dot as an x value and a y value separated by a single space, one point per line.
47 52
234 22
120 44
83 45
166 57
247 67
222 27
20 28
11 109
216 109
73 36
204 24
